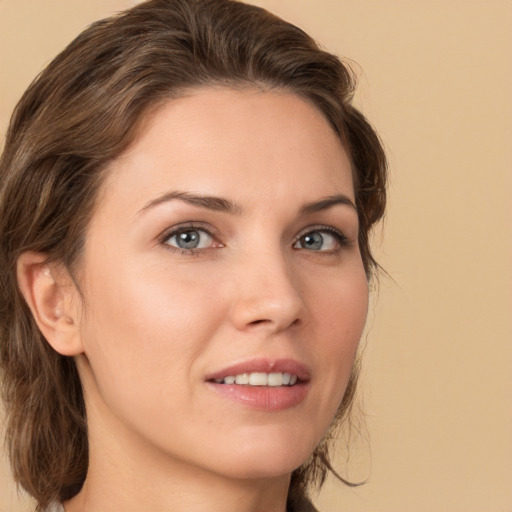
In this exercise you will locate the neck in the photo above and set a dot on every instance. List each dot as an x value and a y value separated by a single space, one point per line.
113 491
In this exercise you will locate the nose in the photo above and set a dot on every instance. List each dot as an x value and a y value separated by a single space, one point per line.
268 294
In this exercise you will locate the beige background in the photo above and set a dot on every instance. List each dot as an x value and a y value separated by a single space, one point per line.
437 82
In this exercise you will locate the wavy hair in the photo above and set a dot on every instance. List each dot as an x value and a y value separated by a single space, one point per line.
81 113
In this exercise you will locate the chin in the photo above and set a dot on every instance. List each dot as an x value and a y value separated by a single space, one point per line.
263 469
271 457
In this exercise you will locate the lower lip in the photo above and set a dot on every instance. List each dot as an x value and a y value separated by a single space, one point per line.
264 398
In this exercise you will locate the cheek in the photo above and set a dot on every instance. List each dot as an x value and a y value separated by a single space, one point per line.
340 311
146 327
340 306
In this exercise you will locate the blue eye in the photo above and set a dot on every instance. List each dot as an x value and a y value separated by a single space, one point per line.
320 240
190 239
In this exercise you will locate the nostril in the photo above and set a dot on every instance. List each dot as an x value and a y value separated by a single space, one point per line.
257 322
266 307
264 321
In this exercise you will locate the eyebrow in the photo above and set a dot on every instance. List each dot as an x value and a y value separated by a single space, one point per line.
217 204
326 203
220 204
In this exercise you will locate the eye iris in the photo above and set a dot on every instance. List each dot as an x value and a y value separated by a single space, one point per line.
188 239
312 241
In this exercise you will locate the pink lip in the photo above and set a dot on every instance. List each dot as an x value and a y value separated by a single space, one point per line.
263 365
263 398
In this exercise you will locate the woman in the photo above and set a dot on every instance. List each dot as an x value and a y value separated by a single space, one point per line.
186 198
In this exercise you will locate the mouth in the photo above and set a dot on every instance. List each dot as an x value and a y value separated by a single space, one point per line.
263 384
274 379
262 372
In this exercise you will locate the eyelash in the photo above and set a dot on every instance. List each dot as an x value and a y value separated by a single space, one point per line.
183 228
341 239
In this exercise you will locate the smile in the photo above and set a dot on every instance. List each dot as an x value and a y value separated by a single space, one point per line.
263 384
273 379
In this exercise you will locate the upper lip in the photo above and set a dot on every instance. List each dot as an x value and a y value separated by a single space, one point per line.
263 365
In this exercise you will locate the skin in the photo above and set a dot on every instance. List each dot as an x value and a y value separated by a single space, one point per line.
153 319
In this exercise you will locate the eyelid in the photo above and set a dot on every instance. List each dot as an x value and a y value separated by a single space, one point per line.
342 239
189 226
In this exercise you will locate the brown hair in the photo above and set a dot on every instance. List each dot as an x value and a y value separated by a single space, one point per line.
83 110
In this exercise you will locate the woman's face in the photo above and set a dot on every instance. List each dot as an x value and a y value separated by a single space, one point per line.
223 248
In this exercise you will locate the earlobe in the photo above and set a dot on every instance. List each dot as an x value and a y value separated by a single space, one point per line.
53 299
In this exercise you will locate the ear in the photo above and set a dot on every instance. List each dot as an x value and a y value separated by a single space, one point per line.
54 300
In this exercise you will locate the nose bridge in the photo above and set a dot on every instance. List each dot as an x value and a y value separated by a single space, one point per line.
268 290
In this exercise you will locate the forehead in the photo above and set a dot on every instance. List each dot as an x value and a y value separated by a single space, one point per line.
245 145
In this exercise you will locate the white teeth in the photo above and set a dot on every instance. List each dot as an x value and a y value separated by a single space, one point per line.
260 379
242 379
275 379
